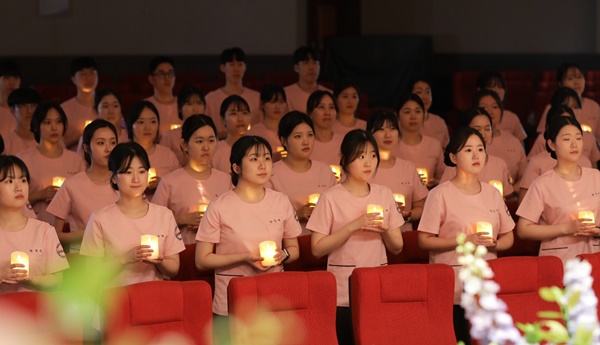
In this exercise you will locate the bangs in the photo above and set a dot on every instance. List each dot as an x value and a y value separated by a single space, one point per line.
259 149
10 164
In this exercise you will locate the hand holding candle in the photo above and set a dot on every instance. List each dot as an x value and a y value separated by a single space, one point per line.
373 208
152 241
268 250
58 181
313 199
151 174
485 227
588 215
423 175
20 258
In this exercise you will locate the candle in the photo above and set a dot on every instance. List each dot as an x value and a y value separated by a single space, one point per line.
58 181
586 128
282 152
337 171
175 126
20 258
249 126
151 174
399 198
87 123
587 215
498 185
268 249
202 208
313 198
152 241
384 155
423 174
485 227
373 208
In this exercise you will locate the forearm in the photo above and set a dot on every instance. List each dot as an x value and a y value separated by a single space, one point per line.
35 197
326 244
212 260
46 281
433 242
393 240
169 266
505 241
70 237
415 213
294 252
532 231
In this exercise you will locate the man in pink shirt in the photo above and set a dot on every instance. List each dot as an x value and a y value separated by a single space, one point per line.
10 80
161 74
79 109
306 64
22 102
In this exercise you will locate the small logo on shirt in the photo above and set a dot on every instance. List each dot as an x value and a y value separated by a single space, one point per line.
178 234
494 211
595 193
60 251
405 183
36 250
275 221
321 186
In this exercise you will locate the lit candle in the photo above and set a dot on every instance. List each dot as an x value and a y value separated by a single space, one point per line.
399 198
282 152
485 227
268 249
151 174
58 181
337 171
249 126
313 198
423 174
384 155
20 258
587 215
87 123
498 185
152 241
586 128
202 208
175 126
373 208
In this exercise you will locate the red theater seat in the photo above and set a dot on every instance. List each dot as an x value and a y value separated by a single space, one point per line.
411 252
188 270
307 261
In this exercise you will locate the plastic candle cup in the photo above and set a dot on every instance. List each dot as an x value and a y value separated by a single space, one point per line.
58 181
337 171
20 258
152 241
202 208
423 174
498 185
399 198
151 174
586 128
485 227
373 208
587 215
268 249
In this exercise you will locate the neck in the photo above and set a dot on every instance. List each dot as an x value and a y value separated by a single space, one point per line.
323 134
356 187
131 203
387 163
308 86
495 132
347 120
466 182
199 171
297 164
249 192
11 219
233 88
85 98
49 149
411 138
3 100
232 138
272 124
24 133
98 173
164 97
568 170
147 145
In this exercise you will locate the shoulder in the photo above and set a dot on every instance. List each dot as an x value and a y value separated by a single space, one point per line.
106 211
39 226
29 153
403 164
158 209
218 175
291 87
380 189
431 142
251 92
590 102
510 139
175 175
68 103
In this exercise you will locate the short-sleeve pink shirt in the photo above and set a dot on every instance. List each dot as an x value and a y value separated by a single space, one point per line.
328 152
14 144
168 114
427 154
512 124
434 126
77 115
220 160
589 115
495 169
543 162
172 140
216 97
271 136
7 121
511 150
343 130
297 98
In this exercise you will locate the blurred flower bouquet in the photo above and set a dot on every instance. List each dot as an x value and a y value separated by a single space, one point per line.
491 324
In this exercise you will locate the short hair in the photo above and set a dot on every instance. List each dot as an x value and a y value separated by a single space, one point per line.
241 148
315 98
7 167
561 72
195 122
342 85
121 157
39 115
556 111
410 97
353 144
88 134
305 54
412 81
153 65
185 94
272 91
230 54
378 118
134 114
490 79
486 92
23 95
82 62
458 141
562 94
555 126
103 93
236 100
289 121
9 68
468 115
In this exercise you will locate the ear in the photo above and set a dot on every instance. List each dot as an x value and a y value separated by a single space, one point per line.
296 68
283 141
86 149
73 80
236 169
151 79
183 145
113 178
222 68
551 145
452 158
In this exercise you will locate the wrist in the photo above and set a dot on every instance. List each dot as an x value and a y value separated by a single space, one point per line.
287 255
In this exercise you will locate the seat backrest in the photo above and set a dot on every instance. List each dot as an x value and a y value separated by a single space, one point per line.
296 307
408 304
307 261
411 252
520 278
594 260
188 270
156 308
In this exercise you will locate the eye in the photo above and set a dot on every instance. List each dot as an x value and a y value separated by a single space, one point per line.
23 180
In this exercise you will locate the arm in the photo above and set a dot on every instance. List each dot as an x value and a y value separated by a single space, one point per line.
206 259
291 245
16 273
417 209
429 241
532 231
45 194
168 265
393 240
324 244
505 241
46 281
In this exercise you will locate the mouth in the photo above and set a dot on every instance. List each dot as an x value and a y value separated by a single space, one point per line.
574 152
367 172
306 149
262 175
19 197
476 164
388 142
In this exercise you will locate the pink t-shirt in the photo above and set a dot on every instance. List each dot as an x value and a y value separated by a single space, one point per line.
7 121
220 160
38 239
509 148
110 233
172 140
343 130
297 98
589 115
182 193
168 114
336 208
402 178
434 126
77 115
449 212
43 169
271 136
216 97
543 162
494 169
427 154
512 124
78 198
163 160
14 144
590 147
552 200
236 226
122 138
329 152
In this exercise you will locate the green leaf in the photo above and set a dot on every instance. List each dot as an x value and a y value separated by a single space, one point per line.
583 336
574 300
551 294
550 315
556 333
531 331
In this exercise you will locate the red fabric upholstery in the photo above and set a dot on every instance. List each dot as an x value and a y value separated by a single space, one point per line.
411 252
151 309
188 270
520 279
307 261
308 299
594 260
407 304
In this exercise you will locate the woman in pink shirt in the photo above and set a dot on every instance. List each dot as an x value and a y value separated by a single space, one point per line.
322 110
82 194
297 176
114 232
550 211
456 206
273 105
423 151
400 175
345 227
22 103
239 220
235 113
433 125
49 158
190 101
347 98
19 233
187 189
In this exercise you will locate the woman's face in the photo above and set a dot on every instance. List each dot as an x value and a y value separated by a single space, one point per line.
411 116
202 145
324 114
52 128
387 137
102 143
134 180
347 101
237 120
575 80
574 105
275 108
482 124
365 164
493 108
568 144
109 109
423 90
145 128
300 142
14 190
193 106
472 157
256 167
